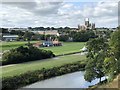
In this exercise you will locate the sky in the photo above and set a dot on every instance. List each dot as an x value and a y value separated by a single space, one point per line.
58 13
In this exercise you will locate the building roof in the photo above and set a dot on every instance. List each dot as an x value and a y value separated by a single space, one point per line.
50 32
9 36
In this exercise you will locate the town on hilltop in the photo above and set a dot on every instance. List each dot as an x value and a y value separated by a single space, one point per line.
60 44
12 34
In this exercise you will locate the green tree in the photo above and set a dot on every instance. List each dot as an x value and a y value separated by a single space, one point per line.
115 44
4 30
112 61
27 36
97 50
25 54
64 38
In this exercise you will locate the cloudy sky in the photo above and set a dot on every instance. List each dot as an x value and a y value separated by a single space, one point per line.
58 13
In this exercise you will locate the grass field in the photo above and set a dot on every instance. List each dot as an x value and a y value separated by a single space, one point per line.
11 45
68 47
17 69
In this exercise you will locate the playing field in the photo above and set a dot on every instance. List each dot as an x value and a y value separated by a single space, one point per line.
68 47
11 45
12 70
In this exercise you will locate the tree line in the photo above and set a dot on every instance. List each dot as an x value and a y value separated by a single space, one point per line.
103 57
81 36
66 34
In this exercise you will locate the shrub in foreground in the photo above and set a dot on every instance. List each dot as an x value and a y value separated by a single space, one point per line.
24 54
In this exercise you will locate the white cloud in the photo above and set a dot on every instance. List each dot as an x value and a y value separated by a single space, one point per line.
37 13
104 9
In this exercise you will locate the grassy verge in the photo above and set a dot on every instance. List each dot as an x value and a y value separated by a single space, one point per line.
34 76
68 47
17 69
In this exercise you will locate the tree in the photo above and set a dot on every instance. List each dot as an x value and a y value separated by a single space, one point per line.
27 36
30 28
81 36
97 50
48 28
52 28
4 30
64 38
67 28
24 54
115 43
112 61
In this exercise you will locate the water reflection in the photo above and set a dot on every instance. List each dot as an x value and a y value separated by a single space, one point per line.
73 80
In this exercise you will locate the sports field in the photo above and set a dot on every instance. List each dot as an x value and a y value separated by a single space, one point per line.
68 47
11 45
17 69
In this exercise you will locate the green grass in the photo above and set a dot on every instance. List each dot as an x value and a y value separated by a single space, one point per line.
68 47
18 69
11 45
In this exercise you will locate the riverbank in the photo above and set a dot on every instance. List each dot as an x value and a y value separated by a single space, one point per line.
71 80
34 76
113 85
17 69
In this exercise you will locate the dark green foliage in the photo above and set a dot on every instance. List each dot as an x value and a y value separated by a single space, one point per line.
24 54
103 57
112 61
115 43
4 30
81 36
64 38
17 32
31 77
97 51
28 35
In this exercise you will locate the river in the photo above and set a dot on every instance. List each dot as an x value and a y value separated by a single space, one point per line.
72 80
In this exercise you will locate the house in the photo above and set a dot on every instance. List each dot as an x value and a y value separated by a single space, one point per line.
10 37
56 43
49 32
48 43
18 29
38 44
51 43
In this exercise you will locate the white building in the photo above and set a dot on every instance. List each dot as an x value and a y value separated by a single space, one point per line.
10 37
18 29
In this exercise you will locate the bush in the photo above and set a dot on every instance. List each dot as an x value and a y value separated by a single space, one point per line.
34 76
24 54
63 38
81 36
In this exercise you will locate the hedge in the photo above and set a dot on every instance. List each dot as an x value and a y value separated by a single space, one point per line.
34 76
